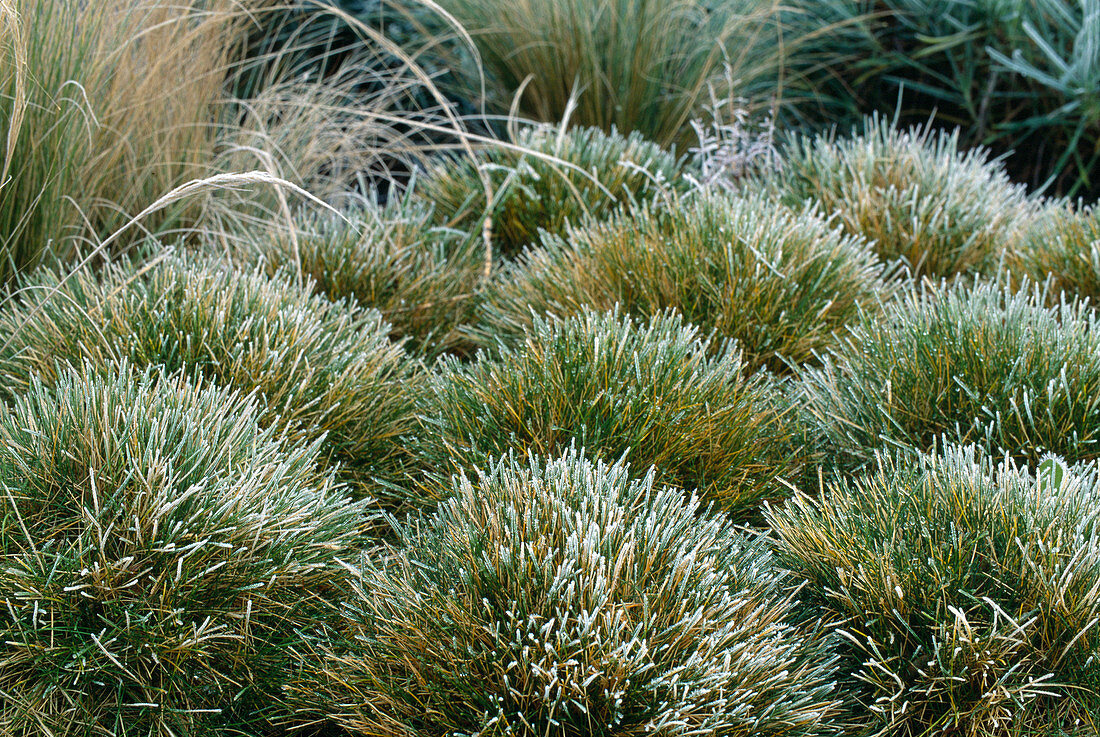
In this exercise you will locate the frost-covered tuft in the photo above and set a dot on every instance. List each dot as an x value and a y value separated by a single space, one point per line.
318 367
566 597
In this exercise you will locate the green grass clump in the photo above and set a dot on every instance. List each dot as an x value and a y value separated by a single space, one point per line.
966 592
633 65
657 391
567 597
423 278
161 552
319 368
912 192
780 282
532 190
1062 244
976 364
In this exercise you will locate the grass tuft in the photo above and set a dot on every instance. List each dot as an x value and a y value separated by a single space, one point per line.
780 282
424 279
161 553
975 364
654 391
557 177
567 597
912 192
1062 244
966 592
319 368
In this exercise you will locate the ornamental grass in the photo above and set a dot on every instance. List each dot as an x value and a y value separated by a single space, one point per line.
1062 244
965 592
423 278
912 192
974 364
657 392
319 368
162 553
569 597
780 282
545 179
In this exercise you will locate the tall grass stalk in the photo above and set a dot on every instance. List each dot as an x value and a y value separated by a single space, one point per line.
110 105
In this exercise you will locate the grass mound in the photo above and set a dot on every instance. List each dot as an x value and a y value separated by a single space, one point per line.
966 592
160 552
319 368
656 391
779 281
567 597
422 278
531 190
912 192
1062 244
974 364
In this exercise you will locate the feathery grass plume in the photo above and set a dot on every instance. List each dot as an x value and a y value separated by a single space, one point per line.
547 178
656 390
912 192
967 592
568 597
423 278
780 282
320 368
975 364
1062 243
162 553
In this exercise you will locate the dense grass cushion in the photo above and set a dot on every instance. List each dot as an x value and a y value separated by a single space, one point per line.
656 391
572 598
911 192
781 282
319 368
162 552
965 591
972 363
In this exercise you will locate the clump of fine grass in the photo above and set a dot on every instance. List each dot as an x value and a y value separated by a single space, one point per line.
656 392
780 282
1062 244
912 192
631 65
319 368
976 364
567 597
547 178
162 552
966 592
111 106
423 278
